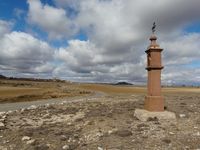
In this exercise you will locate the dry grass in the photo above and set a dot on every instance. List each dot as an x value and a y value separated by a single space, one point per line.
113 89
6 91
182 90
17 91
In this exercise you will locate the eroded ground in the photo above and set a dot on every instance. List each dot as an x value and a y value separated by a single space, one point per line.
103 123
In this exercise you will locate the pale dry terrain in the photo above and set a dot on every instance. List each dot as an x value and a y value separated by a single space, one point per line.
18 91
104 122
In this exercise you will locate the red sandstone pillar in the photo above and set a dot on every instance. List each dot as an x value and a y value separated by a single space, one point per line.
154 100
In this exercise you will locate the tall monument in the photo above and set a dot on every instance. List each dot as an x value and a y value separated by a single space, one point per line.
154 100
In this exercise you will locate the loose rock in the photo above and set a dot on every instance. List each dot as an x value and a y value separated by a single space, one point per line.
31 141
2 125
123 133
25 138
65 147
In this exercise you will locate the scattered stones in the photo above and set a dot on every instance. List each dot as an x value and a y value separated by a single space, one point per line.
3 117
79 116
88 123
171 133
46 116
182 115
66 147
63 138
31 142
2 126
32 107
2 113
112 131
142 127
25 138
9 112
70 127
100 148
22 110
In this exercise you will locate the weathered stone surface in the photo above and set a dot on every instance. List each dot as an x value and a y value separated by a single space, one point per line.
25 138
66 147
30 141
165 116
2 125
182 115
2 113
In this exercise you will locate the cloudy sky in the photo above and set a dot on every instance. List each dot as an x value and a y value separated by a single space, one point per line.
99 40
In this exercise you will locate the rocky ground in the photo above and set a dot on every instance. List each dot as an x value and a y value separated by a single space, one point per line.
103 123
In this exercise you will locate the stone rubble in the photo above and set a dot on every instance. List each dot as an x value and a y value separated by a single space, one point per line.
25 138
30 141
66 147
182 115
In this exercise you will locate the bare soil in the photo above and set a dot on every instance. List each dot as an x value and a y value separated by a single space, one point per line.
104 123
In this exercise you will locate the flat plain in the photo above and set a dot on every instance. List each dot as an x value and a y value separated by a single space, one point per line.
21 90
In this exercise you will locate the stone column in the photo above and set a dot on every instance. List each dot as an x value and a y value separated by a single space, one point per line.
154 100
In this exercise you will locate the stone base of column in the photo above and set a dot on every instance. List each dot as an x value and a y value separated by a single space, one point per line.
163 117
154 103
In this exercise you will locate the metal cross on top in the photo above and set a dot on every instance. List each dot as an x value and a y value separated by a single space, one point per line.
154 28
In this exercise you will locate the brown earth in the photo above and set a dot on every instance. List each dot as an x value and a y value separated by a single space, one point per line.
104 123
18 91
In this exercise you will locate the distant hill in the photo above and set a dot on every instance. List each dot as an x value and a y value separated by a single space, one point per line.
2 77
123 83
31 79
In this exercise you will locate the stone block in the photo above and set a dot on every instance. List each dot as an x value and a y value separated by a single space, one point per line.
163 117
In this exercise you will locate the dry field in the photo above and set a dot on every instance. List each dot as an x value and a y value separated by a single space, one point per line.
18 91
114 89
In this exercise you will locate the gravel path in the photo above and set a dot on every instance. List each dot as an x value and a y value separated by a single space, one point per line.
20 105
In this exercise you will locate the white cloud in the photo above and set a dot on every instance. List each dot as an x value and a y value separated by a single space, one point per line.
117 33
87 62
21 52
182 50
181 76
79 55
52 20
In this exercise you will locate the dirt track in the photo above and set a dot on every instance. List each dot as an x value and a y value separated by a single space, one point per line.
20 105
